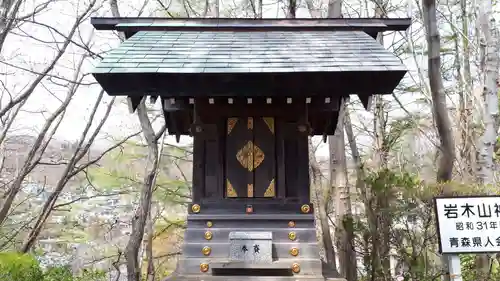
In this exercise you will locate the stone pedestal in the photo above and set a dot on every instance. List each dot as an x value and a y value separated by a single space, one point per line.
276 242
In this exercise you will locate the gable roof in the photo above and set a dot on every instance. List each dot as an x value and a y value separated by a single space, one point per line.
188 59
162 57
237 52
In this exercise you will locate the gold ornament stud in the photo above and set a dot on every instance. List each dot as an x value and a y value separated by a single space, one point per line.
206 251
294 252
195 208
204 267
291 224
209 224
292 235
295 268
208 235
305 208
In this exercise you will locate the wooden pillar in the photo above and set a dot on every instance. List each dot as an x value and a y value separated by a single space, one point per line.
198 168
281 160
303 183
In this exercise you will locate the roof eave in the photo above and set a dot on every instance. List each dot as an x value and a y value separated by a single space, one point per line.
249 84
368 25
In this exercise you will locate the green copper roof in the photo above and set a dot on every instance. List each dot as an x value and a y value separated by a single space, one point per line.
237 52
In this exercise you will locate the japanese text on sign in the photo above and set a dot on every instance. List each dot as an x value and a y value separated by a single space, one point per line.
452 211
469 224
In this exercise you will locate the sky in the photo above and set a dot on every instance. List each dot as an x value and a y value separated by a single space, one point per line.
35 55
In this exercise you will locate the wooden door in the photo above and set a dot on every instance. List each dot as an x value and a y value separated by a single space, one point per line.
250 157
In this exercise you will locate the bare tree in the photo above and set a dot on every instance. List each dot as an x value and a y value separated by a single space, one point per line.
339 184
323 195
39 146
74 167
142 212
441 118
490 42
467 149
10 16
344 223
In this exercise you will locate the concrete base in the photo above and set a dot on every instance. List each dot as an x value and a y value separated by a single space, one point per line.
285 224
176 277
247 278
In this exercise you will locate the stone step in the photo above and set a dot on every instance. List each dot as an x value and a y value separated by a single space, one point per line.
191 266
211 225
280 250
198 235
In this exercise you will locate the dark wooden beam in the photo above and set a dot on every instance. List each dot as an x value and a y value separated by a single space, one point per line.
294 84
133 102
366 101
368 25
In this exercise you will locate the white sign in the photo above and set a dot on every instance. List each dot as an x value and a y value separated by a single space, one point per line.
468 224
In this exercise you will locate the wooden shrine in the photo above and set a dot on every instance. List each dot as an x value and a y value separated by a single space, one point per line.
250 92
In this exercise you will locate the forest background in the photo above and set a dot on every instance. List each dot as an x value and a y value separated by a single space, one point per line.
74 162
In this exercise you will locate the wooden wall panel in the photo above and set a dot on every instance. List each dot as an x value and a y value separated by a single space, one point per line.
296 158
251 157
238 159
265 142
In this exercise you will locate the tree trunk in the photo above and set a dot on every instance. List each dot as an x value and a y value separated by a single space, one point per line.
292 9
441 118
149 248
335 8
338 186
142 212
370 254
380 122
491 60
322 197
343 211
467 150
150 225
143 209
8 15
381 220
491 42
259 9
